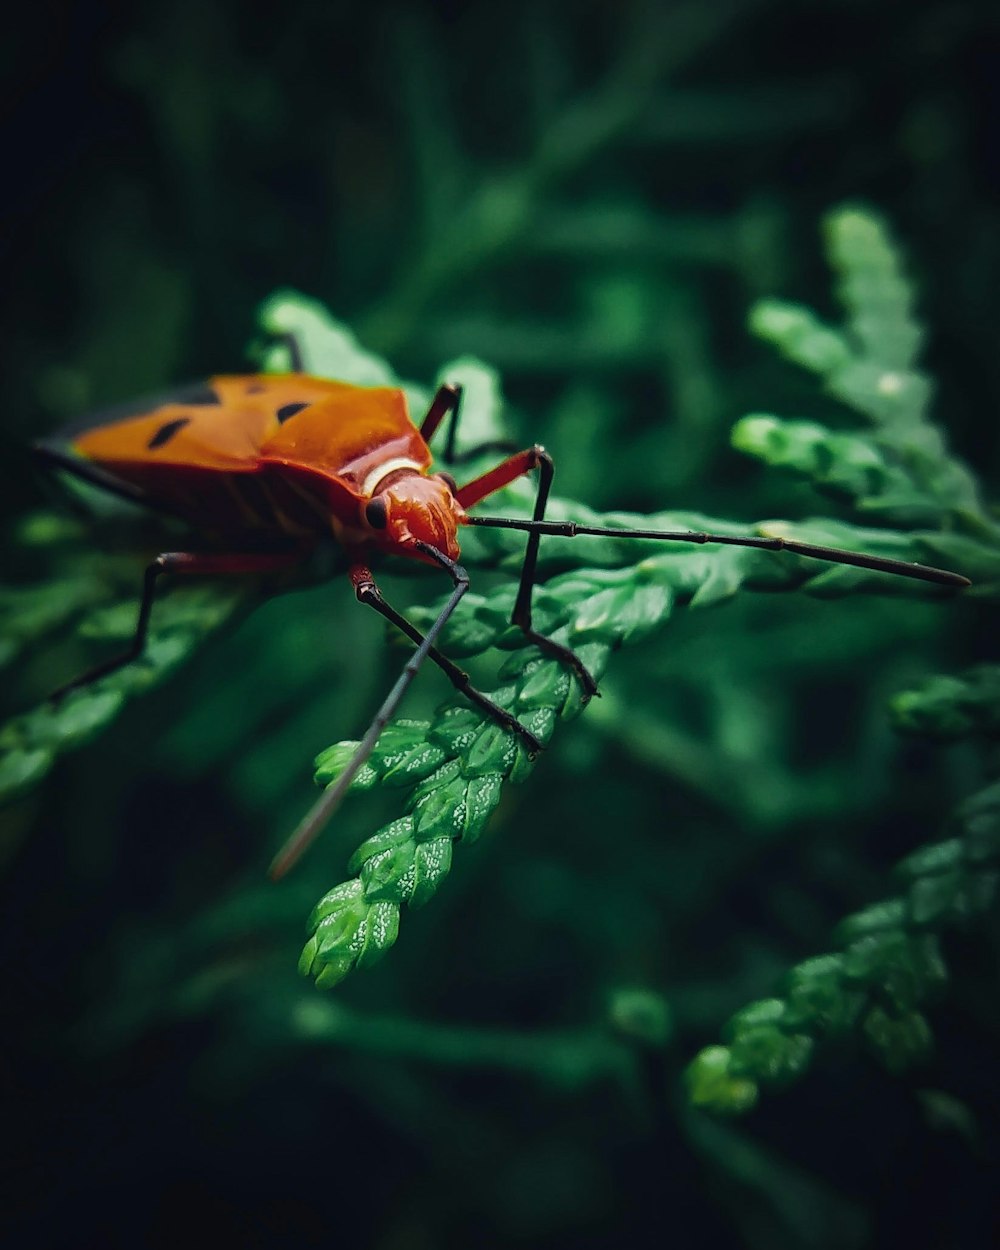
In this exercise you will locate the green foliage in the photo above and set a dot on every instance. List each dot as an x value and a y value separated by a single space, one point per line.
90 594
454 768
890 965
889 969
901 468
947 707
590 197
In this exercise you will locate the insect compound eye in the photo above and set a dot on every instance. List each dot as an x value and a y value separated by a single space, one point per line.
376 513
449 481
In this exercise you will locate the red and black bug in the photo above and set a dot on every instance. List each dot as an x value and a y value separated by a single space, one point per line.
270 466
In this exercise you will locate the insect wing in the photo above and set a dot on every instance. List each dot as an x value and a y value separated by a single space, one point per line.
220 424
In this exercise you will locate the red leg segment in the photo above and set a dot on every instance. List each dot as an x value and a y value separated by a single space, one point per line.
446 400
502 475
449 400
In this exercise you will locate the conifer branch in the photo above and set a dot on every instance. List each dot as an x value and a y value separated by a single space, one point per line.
890 965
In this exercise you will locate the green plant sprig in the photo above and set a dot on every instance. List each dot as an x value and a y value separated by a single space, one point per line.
946 707
889 967
890 964
91 593
456 765
900 468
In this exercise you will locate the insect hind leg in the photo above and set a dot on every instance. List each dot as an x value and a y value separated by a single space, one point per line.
447 406
290 340
185 562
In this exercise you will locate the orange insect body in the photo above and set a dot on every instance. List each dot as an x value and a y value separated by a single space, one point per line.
291 454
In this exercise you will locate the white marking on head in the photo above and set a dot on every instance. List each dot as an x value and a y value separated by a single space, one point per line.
375 479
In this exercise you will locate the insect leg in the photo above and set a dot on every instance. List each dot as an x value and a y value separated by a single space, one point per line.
186 562
314 820
294 350
367 591
447 399
447 403
502 475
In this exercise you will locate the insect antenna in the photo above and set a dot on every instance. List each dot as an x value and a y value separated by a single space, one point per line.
323 809
834 555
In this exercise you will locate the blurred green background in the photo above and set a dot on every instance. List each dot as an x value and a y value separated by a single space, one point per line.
588 196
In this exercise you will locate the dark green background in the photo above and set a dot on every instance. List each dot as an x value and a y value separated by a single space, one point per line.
588 196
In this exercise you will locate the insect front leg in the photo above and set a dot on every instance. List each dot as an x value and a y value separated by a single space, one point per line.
185 562
498 477
367 591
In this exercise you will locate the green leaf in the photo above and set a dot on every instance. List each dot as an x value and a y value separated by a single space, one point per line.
891 962
819 998
328 348
900 1041
432 863
713 1084
21 770
640 1014
799 335
949 707
768 1053
872 287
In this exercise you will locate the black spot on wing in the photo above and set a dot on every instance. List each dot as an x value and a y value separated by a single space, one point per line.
191 393
289 410
166 432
